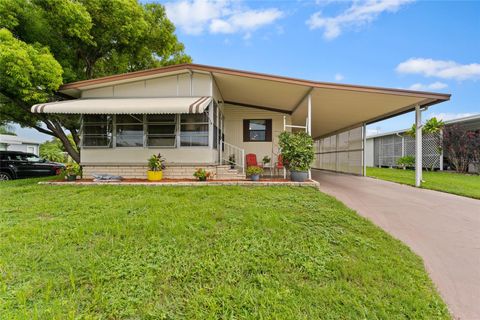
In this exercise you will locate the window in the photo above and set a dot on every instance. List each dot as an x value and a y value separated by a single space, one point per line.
194 130
97 131
161 130
257 130
129 129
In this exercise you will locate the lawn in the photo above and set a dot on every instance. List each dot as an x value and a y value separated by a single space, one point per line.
140 252
460 184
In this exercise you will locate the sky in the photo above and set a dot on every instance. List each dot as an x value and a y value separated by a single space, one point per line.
420 45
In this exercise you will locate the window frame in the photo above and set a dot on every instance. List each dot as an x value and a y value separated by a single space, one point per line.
116 124
206 122
174 135
246 130
110 133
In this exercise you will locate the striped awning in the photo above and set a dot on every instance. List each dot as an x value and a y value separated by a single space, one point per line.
126 106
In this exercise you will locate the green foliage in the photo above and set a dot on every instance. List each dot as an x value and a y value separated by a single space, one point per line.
406 161
156 162
254 170
202 174
432 126
28 72
7 129
297 150
52 150
266 160
72 169
456 183
132 252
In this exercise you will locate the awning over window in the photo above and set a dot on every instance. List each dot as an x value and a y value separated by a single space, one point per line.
126 106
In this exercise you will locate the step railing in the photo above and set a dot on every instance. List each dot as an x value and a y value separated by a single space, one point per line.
229 151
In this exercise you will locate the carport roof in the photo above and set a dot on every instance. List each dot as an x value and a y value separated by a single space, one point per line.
335 107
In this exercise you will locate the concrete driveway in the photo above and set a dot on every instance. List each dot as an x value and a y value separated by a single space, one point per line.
443 229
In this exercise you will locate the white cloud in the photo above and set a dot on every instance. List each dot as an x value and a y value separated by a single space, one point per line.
359 13
245 21
339 77
431 86
440 68
449 116
219 16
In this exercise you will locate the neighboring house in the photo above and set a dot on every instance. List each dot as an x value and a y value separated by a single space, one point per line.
383 150
14 143
198 116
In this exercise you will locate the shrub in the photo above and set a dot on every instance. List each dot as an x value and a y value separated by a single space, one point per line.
253 170
297 150
72 169
406 161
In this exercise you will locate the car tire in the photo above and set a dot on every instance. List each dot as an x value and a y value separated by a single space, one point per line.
5 176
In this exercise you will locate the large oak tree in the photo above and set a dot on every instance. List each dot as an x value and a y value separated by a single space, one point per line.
44 43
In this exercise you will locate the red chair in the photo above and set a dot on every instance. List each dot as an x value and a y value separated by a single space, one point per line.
252 160
279 163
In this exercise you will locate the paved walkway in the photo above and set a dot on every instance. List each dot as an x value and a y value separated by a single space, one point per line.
443 229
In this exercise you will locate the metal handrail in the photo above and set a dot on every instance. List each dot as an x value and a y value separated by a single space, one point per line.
227 149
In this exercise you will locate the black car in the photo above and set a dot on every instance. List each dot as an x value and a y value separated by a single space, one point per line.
16 164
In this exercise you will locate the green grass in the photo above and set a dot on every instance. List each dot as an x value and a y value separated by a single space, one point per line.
460 184
133 252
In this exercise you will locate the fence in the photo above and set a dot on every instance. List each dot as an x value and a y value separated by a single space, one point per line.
342 152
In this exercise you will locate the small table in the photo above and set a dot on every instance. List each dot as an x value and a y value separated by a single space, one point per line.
270 168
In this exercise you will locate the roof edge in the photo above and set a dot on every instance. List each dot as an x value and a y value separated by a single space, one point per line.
255 75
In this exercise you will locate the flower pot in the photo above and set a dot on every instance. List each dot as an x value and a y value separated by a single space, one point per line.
72 177
154 175
255 177
202 179
232 166
298 176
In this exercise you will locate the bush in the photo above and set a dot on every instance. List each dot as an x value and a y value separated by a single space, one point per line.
406 161
202 174
254 170
297 150
72 169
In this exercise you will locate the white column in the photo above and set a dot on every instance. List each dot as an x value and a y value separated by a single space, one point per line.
309 124
364 151
418 146
441 153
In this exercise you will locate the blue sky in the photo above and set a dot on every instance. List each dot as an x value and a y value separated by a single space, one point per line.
424 45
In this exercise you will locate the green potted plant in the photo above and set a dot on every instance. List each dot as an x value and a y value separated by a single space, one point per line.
156 165
266 160
202 174
71 171
297 154
231 161
254 172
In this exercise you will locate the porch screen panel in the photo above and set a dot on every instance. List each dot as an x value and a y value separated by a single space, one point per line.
341 152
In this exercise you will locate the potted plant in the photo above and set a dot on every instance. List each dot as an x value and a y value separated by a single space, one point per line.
202 174
71 171
266 160
231 161
254 172
156 165
297 154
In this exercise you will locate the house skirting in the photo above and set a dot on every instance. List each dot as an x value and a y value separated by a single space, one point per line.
222 172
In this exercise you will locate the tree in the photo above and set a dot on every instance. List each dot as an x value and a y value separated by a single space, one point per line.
44 43
461 146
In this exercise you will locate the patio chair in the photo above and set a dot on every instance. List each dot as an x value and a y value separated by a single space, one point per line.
279 164
252 160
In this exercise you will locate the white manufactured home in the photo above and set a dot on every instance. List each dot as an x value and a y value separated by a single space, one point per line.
201 116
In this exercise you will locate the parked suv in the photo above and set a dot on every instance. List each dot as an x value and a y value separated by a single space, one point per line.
16 164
